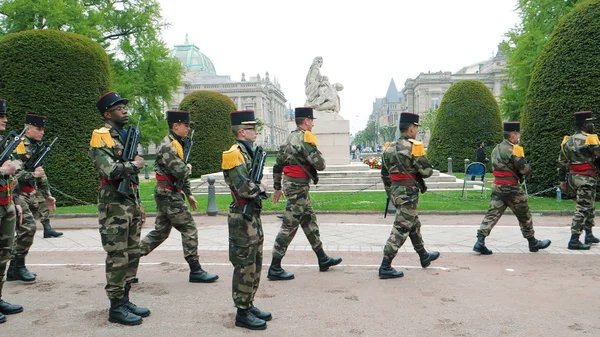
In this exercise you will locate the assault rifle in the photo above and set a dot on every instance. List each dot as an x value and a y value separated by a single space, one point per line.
38 156
132 141
8 144
256 175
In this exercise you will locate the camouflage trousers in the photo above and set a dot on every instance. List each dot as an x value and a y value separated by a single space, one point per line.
298 212
120 228
172 211
246 255
8 222
25 232
504 196
406 222
43 213
585 188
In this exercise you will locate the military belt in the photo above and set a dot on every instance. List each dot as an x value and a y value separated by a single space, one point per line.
27 189
296 171
168 178
504 178
585 169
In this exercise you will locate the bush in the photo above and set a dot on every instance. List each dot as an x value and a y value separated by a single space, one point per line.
565 80
59 75
467 115
210 113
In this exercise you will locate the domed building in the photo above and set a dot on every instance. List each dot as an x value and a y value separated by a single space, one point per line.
257 93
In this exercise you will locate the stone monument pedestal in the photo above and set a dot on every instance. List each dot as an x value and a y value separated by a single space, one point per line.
333 137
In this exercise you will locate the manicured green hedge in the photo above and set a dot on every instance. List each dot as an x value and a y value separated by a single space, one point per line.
59 75
565 80
467 115
209 111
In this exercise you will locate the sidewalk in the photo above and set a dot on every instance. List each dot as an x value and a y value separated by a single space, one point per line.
342 233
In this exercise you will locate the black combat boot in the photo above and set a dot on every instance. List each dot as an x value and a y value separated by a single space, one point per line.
20 271
198 275
120 313
387 271
142 312
49 232
11 273
264 315
480 245
535 245
575 244
325 261
590 238
9 309
245 319
427 258
276 273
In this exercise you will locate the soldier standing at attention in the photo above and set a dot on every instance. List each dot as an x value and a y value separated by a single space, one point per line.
30 184
404 163
298 160
579 158
120 216
508 162
246 235
172 183
9 212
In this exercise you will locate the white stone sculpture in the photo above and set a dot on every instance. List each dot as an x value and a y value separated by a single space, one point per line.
320 94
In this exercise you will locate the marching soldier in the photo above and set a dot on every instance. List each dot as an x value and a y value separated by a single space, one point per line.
8 219
404 167
298 161
246 235
120 216
31 184
508 161
577 168
172 176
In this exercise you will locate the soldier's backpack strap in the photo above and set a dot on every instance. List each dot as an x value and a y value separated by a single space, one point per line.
101 138
232 158
418 149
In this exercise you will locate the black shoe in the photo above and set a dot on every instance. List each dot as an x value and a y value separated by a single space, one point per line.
49 232
590 238
9 309
264 315
245 319
199 275
276 273
535 245
140 311
480 246
20 271
427 258
2 318
325 261
575 244
11 273
120 313
387 271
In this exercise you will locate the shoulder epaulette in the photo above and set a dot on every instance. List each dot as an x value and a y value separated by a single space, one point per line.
177 146
232 158
592 139
418 149
101 138
310 138
565 138
21 148
518 151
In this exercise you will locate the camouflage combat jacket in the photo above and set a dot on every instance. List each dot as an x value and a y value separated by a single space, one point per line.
9 184
578 156
28 183
509 165
169 165
411 154
236 165
106 148
300 148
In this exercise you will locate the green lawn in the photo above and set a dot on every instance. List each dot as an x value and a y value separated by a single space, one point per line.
363 201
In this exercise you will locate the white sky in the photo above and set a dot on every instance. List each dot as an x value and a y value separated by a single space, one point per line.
363 43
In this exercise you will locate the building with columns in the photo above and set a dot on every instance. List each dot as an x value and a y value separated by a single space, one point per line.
258 93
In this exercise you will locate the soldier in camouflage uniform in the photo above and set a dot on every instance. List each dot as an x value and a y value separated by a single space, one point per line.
8 219
246 234
578 160
120 216
30 184
508 161
172 175
298 161
405 165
